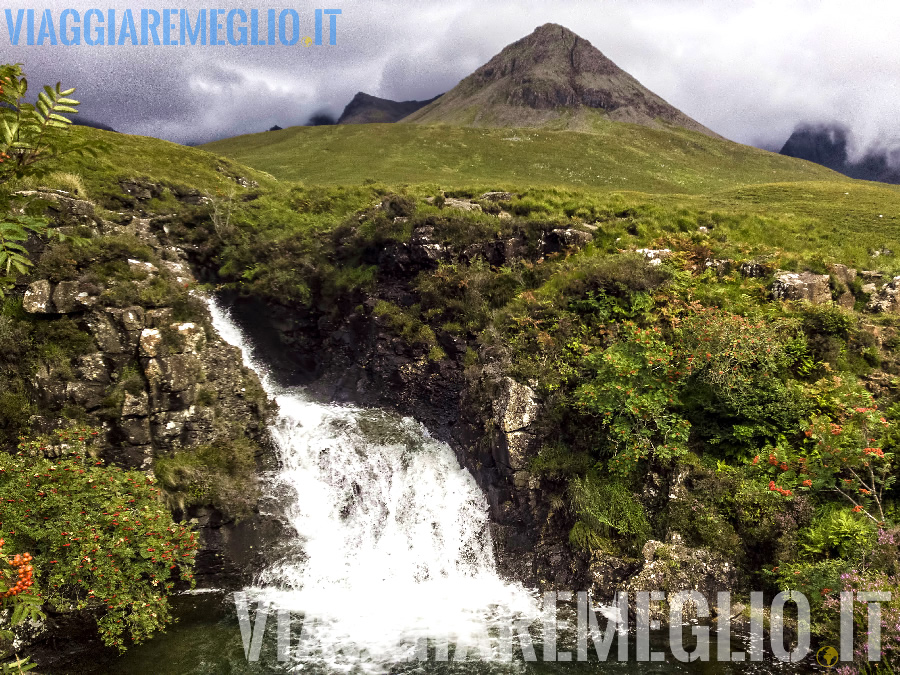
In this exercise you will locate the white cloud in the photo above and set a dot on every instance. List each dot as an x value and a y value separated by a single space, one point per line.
749 70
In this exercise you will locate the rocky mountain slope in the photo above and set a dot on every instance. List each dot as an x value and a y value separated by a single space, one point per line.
552 78
367 109
826 144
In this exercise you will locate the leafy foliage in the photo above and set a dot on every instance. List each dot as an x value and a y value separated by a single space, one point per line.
101 537
31 133
630 391
601 505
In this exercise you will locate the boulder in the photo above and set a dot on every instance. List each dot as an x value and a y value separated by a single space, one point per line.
886 298
559 240
720 267
753 269
814 288
38 298
843 273
465 205
655 256
70 297
496 196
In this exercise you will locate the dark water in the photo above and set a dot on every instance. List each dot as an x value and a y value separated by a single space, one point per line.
207 641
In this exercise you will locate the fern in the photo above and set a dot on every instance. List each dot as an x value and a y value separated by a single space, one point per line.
606 504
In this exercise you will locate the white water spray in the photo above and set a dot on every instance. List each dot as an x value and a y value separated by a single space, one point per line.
392 541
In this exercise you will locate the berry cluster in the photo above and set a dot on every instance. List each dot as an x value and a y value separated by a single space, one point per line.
25 573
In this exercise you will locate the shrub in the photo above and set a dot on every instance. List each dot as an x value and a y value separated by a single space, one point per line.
630 389
101 539
601 505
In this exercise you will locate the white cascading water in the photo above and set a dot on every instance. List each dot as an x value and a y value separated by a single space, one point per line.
392 541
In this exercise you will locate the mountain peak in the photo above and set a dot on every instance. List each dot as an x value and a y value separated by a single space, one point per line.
552 78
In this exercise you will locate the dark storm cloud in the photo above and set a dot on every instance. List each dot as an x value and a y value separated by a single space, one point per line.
749 70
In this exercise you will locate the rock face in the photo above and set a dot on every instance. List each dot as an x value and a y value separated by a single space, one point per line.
515 410
551 76
814 288
153 384
826 144
674 567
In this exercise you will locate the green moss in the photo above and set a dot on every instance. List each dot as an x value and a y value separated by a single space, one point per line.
222 474
405 324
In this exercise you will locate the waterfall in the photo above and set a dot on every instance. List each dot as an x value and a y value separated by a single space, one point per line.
390 535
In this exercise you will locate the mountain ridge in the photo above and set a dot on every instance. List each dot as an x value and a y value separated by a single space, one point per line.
367 109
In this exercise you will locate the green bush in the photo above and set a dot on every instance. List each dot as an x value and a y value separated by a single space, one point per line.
100 537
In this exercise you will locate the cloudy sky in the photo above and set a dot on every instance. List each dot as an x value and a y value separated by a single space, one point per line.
750 70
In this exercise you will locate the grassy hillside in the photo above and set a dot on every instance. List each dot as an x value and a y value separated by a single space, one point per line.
616 157
123 157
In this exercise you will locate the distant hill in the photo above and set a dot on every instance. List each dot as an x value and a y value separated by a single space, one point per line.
826 144
366 109
555 79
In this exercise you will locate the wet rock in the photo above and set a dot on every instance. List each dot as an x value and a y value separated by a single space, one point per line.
886 299
609 573
814 288
38 298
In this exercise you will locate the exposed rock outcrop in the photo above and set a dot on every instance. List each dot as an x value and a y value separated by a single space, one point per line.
807 286
887 298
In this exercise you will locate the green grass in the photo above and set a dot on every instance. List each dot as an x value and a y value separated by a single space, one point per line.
122 157
616 157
